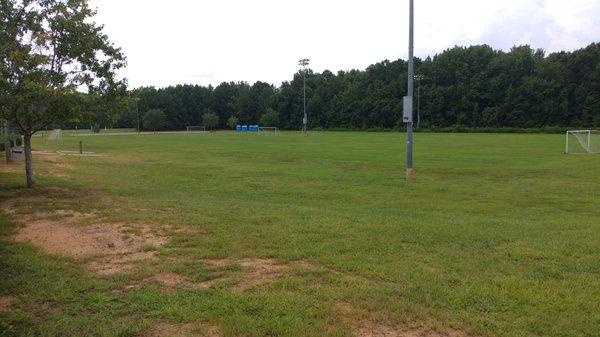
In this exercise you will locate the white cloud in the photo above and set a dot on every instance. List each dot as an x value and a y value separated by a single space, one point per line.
207 42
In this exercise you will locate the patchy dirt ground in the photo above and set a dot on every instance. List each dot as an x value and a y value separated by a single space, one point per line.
366 328
110 247
164 329
386 331
238 274
107 248
5 303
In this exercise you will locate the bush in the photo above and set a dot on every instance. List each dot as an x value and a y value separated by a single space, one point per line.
232 122
270 118
210 119
154 120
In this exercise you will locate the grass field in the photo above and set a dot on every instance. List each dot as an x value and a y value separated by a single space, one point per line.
287 235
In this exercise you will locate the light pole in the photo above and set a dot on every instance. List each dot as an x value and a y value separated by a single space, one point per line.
304 63
408 99
137 112
419 78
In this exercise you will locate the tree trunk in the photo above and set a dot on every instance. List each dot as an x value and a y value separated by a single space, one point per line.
7 147
28 161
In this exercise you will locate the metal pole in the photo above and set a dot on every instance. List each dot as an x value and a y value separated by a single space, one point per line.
418 101
304 63
589 141
137 112
305 120
411 74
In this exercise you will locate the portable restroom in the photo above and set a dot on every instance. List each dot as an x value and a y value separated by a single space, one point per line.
238 128
244 128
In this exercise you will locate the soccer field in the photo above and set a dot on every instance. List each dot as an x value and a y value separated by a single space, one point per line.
291 235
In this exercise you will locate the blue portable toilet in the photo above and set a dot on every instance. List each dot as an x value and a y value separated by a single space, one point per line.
238 128
244 128
253 128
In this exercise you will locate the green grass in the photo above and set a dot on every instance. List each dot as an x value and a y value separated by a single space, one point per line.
499 234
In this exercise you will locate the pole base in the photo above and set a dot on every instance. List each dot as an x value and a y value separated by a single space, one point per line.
408 175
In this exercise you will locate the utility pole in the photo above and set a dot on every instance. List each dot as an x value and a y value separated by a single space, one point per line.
408 99
304 63
419 78
137 112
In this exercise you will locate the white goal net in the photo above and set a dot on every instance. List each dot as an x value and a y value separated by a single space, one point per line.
196 128
55 134
582 142
268 129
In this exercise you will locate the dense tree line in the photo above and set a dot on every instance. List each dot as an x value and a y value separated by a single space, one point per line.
472 87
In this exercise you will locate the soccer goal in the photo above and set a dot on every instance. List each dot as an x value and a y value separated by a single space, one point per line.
55 134
196 128
582 142
268 129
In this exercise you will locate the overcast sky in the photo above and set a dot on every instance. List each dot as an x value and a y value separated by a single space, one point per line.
211 41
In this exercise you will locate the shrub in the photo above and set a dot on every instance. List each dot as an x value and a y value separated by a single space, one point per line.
154 120
210 119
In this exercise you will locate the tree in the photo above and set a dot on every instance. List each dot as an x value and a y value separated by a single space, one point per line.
210 119
155 120
270 118
476 86
232 122
49 49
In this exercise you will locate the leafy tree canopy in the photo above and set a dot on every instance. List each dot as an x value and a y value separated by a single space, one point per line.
50 50
155 120
210 119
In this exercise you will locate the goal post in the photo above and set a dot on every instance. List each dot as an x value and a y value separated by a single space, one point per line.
196 128
55 134
582 142
268 129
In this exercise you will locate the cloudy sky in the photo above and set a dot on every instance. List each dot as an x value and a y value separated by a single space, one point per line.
211 41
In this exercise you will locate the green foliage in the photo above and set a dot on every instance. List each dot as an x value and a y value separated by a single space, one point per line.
154 120
232 122
210 120
270 118
50 49
45 61
474 87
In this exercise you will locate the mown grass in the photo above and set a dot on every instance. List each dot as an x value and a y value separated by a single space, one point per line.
499 235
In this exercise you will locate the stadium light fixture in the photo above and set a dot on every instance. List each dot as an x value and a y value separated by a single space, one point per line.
419 78
408 99
303 63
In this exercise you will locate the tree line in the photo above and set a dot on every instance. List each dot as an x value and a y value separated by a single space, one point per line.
473 86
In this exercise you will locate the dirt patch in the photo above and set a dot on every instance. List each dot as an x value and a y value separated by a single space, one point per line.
365 328
10 168
386 331
108 248
254 271
238 274
5 303
182 330
172 281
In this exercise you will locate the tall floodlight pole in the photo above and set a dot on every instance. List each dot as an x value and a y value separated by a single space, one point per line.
408 99
419 78
304 63
137 112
